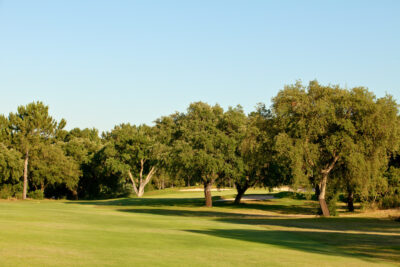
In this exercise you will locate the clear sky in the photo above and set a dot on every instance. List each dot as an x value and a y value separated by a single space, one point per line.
101 63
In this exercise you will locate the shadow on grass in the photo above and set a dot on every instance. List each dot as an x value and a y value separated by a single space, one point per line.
264 205
373 239
366 246
269 205
159 202
368 225
194 213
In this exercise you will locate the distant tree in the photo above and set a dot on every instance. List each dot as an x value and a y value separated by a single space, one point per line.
254 161
171 172
234 124
10 169
324 128
49 166
200 145
82 146
132 152
5 137
30 126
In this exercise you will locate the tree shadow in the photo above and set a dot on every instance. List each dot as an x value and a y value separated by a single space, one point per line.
368 225
268 205
367 246
367 238
194 213
372 238
159 202
264 205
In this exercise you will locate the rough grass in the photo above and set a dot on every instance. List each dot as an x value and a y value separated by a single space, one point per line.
172 228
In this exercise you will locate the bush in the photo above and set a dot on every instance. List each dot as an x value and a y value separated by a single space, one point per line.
10 191
391 198
6 192
292 195
37 194
331 202
391 201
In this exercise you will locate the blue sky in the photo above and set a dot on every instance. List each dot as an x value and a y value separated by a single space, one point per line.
101 63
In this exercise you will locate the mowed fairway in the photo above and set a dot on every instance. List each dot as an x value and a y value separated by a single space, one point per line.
172 228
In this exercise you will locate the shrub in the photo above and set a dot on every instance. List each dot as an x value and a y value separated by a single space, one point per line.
11 191
37 194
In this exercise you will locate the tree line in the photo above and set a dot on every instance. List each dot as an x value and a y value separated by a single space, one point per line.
326 141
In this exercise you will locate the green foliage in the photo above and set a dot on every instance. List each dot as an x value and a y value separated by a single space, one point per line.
29 127
200 144
11 165
313 135
32 124
82 146
343 134
50 166
132 154
37 194
391 197
11 191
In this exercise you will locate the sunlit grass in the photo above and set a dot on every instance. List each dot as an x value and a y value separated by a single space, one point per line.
173 228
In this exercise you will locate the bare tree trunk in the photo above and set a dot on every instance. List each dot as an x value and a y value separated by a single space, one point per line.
350 200
25 175
321 197
240 192
145 182
207 193
133 182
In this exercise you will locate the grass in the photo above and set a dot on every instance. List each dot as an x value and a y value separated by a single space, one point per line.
172 228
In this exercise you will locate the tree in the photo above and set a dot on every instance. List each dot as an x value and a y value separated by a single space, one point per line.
82 146
326 129
234 125
257 163
200 144
132 152
30 126
49 166
10 170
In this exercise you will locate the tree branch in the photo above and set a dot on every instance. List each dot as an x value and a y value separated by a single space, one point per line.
330 167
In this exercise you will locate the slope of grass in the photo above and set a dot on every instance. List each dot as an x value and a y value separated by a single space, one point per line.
172 228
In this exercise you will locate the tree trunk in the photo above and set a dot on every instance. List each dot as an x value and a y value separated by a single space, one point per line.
240 192
74 194
141 191
142 183
133 182
350 200
207 193
321 197
25 175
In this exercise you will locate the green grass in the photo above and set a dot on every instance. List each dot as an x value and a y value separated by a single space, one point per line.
172 228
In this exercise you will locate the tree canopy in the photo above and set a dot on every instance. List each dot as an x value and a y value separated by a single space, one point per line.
320 138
